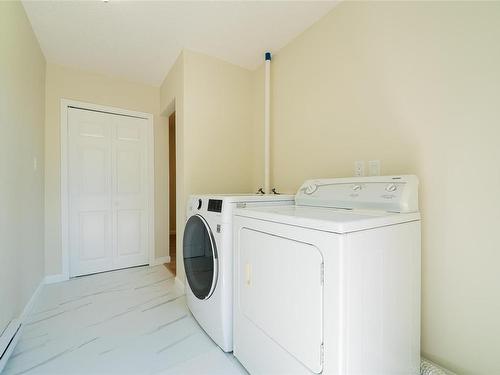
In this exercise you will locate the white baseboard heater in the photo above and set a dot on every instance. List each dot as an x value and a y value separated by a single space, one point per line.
8 340
429 368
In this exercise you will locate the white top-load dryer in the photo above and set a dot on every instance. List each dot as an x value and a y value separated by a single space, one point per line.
331 285
208 259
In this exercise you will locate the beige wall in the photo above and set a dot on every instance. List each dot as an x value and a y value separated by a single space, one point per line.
75 84
22 95
214 125
415 85
218 131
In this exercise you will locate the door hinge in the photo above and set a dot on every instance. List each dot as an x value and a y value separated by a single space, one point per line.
322 273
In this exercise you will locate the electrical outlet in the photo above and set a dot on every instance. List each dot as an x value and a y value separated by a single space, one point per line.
374 168
359 168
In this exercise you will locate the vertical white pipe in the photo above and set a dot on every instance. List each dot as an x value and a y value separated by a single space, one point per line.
267 125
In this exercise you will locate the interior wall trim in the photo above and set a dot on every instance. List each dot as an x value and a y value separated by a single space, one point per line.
161 260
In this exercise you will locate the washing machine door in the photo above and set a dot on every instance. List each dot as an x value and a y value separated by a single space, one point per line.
200 257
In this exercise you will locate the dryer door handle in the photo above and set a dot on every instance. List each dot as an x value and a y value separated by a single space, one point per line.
248 274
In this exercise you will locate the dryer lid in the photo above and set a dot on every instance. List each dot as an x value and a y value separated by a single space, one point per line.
327 219
385 193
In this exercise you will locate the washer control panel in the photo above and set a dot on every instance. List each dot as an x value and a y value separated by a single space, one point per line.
214 205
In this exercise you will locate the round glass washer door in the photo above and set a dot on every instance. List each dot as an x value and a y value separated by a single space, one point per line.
200 257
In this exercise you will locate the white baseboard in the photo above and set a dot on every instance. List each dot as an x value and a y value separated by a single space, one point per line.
180 284
51 279
161 260
10 336
29 306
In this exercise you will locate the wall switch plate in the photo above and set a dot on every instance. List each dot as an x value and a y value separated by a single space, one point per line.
359 168
374 168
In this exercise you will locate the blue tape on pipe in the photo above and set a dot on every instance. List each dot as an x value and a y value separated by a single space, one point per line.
268 56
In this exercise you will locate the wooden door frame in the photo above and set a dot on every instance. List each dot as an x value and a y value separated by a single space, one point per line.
65 105
170 153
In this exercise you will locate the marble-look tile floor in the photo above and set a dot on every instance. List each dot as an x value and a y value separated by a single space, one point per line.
132 321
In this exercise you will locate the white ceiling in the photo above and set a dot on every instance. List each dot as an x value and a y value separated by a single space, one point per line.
140 40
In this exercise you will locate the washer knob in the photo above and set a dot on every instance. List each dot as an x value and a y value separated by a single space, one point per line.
391 187
199 204
356 187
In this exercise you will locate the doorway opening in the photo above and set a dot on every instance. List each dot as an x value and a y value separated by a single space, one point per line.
172 193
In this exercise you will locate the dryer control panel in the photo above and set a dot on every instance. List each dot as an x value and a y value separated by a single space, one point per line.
387 193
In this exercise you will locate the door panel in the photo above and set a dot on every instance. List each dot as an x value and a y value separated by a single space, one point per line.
128 171
94 170
129 192
128 131
271 281
91 127
129 228
89 173
107 174
94 232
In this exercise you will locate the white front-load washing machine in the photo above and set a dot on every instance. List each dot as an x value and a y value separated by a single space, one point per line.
208 259
330 285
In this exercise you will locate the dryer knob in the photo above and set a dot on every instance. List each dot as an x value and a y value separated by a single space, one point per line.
311 189
391 187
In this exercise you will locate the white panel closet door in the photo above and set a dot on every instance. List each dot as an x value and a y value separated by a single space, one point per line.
107 172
